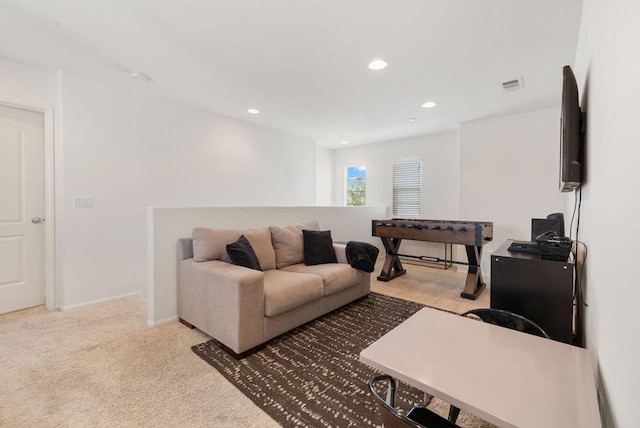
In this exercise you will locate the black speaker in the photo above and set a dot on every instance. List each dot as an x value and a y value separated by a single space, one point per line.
542 225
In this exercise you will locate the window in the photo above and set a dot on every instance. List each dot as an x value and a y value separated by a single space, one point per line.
356 186
407 188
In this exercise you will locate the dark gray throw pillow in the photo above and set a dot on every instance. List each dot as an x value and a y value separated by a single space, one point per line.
318 247
241 253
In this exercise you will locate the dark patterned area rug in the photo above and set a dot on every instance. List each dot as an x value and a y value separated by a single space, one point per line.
312 376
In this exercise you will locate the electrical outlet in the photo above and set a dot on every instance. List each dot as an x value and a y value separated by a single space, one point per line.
82 202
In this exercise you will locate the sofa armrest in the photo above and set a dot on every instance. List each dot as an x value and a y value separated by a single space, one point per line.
341 252
223 300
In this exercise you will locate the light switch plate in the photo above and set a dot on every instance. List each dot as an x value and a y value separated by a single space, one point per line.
82 202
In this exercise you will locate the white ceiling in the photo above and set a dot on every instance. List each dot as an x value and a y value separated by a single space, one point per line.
303 63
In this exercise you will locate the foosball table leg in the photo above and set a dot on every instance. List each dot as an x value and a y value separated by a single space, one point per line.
474 284
392 267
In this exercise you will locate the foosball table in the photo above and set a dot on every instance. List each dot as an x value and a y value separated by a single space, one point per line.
472 234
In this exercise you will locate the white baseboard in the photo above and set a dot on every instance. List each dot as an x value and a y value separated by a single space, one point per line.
162 321
92 302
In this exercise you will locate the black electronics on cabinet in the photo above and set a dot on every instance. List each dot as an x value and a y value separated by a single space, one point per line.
553 222
541 290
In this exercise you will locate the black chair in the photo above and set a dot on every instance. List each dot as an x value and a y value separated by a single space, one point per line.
503 319
509 320
417 417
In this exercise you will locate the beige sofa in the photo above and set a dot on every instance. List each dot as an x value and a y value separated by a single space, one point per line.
243 308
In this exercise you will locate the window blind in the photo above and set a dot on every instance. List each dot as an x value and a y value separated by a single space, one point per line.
407 188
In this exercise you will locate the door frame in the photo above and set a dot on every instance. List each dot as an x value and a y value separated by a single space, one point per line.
49 199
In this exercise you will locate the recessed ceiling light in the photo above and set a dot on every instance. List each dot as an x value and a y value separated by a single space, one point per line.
429 104
139 75
344 142
378 64
253 111
412 119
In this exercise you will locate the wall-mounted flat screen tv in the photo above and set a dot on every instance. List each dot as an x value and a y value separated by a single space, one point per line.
570 134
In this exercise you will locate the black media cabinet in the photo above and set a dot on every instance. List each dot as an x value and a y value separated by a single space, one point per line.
541 290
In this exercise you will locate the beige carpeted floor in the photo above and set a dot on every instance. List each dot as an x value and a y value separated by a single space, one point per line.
101 366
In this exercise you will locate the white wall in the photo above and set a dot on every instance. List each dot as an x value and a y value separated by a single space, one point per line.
130 151
509 174
324 176
439 154
27 85
607 67
166 225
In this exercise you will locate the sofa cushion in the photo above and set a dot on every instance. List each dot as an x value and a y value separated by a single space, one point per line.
241 253
284 291
335 276
318 247
288 243
210 244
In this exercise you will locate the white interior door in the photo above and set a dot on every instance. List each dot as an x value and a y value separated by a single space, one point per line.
22 208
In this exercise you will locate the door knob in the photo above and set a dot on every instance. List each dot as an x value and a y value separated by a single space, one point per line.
37 220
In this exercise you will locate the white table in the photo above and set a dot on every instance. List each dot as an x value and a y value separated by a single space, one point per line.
505 377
